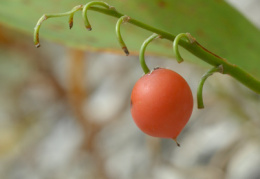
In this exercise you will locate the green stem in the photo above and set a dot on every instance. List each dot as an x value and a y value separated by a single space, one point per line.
176 45
197 50
142 51
194 48
135 22
47 16
75 9
118 33
87 6
201 84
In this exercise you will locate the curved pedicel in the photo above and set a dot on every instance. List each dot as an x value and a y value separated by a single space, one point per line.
202 81
142 51
176 44
47 16
87 6
118 33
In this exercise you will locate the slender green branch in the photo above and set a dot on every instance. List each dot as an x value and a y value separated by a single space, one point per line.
201 84
142 51
135 22
118 33
197 50
194 48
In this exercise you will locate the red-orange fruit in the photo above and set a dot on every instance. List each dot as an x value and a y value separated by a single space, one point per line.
161 103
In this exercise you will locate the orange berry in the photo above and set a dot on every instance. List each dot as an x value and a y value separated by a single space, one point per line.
161 103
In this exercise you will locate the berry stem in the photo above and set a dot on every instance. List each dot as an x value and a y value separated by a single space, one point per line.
142 51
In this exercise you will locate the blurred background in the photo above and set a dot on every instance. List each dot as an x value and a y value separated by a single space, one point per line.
65 114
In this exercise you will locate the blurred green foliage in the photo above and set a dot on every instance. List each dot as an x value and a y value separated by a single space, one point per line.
214 23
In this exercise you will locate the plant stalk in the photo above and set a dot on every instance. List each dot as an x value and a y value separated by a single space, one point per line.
196 49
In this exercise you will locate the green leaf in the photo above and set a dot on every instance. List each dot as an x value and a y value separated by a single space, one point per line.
214 23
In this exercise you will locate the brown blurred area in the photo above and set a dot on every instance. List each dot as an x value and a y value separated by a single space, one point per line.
64 114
